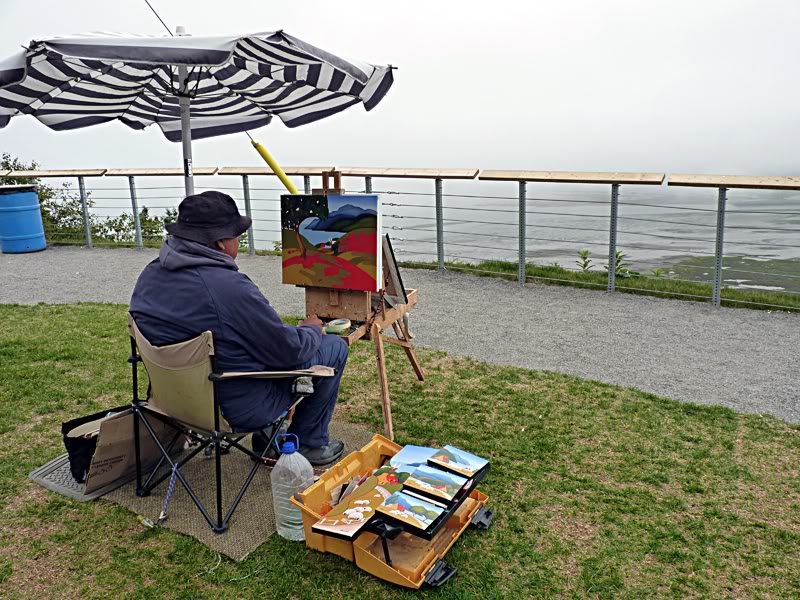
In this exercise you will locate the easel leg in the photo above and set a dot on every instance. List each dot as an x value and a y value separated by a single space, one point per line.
387 406
402 334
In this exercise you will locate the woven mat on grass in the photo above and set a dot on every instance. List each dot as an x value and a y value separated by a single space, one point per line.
254 519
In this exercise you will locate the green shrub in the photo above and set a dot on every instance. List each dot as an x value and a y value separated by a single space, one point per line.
62 213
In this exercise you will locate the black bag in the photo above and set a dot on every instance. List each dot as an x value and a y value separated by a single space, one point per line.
80 450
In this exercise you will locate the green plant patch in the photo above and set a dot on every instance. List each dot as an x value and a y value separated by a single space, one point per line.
656 283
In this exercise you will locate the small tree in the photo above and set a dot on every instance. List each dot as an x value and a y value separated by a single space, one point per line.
623 268
584 262
296 209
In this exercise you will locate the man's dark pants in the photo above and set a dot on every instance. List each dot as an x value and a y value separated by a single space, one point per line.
313 414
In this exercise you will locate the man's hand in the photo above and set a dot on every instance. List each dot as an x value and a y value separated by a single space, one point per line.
312 320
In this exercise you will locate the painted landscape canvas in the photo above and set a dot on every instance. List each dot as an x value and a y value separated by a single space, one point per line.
435 483
411 510
412 455
351 514
332 241
457 460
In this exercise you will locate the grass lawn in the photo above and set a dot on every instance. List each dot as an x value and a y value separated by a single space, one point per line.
599 491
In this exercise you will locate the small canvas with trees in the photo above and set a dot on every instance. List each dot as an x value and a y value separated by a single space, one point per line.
411 510
457 461
435 483
331 241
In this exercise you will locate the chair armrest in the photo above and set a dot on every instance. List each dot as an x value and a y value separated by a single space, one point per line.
315 371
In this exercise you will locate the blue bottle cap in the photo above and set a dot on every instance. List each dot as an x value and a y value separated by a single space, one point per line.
287 446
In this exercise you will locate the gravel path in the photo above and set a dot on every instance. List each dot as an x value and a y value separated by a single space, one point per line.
746 360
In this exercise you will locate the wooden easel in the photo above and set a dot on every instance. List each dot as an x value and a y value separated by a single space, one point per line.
372 316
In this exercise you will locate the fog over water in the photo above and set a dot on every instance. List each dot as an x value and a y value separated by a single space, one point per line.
668 86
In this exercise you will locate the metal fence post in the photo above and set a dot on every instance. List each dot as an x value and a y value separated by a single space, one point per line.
368 184
137 225
723 196
87 225
251 241
306 184
523 249
439 227
612 238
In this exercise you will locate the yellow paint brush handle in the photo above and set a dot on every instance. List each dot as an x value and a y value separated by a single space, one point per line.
275 167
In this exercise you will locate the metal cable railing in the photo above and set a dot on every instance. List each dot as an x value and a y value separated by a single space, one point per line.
661 248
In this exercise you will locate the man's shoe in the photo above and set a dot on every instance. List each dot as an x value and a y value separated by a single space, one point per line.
260 441
324 455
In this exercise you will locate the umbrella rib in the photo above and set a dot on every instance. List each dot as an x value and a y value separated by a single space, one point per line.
70 84
143 86
237 94
140 94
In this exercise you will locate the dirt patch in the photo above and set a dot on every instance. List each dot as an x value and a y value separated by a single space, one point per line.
769 494
38 567
574 532
31 495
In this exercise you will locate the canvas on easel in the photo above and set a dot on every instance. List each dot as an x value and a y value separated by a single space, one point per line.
332 246
332 241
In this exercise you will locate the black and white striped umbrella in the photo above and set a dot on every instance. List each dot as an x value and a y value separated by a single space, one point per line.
227 84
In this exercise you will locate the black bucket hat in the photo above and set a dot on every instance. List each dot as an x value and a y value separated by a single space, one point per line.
208 217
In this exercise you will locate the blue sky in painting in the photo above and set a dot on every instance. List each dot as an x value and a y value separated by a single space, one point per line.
334 204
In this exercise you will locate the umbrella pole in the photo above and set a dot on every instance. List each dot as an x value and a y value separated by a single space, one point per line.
186 132
186 121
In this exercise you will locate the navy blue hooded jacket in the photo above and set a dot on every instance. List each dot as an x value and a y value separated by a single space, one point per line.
191 288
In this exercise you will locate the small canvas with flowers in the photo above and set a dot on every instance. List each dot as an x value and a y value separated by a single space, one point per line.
351 514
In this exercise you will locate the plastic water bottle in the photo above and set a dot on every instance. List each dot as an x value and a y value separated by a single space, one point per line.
290 475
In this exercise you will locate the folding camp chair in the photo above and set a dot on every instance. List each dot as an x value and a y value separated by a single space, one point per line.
183 394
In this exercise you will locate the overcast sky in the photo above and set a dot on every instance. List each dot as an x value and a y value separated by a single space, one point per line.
627 85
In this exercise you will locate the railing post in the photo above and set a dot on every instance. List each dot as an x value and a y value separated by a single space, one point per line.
306 184
87 225
523 249
612 238
137 225
723 196
439 227
368 184
251 242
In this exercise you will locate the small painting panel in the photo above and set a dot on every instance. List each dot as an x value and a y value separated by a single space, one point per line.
332 241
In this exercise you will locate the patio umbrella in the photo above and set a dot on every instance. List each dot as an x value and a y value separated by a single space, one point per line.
192 87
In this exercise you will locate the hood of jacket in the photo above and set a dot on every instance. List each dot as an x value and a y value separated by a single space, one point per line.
178 253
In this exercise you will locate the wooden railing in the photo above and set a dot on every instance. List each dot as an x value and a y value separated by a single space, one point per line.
614 179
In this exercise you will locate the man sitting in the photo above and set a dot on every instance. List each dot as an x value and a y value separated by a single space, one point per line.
195 285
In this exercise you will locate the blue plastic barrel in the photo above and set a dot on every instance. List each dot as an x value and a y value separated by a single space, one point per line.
21 228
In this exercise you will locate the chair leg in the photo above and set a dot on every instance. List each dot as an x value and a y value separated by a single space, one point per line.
253 470
137 448
179 475
149 484
221 526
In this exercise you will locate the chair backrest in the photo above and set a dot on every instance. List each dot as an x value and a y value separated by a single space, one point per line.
179 384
